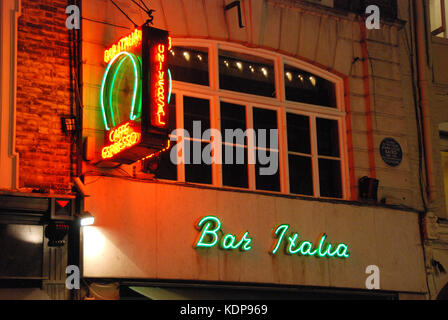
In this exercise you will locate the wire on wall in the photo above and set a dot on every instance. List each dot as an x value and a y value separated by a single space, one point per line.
124 13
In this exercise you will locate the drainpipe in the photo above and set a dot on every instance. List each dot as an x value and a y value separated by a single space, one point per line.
367 97
423 84
428 221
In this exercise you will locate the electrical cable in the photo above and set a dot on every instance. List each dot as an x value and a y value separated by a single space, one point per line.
139 5
419 119
124 13
144 4
105 23
418 115
146 10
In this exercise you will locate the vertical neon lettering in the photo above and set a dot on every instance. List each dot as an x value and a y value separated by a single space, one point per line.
280 233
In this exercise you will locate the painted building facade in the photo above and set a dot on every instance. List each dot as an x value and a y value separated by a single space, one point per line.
373 101
337 92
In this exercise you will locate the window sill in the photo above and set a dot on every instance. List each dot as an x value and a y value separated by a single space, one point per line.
264 193
439 40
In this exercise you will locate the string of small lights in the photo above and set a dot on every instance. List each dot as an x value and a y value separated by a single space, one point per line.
232 64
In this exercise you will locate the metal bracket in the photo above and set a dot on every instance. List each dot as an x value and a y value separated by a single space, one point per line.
236 4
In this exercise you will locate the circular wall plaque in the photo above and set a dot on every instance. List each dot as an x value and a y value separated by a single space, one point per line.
391 152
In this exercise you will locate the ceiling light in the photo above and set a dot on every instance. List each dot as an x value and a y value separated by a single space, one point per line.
265 72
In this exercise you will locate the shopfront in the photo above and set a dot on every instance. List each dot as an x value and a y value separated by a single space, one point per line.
206 212
154 236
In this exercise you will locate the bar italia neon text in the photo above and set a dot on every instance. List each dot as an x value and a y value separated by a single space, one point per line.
211 235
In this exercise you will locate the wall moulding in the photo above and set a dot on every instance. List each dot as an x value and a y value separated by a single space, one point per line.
10 11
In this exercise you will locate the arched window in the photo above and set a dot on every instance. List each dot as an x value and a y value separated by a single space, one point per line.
230 87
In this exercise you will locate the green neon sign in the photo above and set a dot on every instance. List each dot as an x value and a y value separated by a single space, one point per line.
111 80
210 227
211 235
294 246
107 85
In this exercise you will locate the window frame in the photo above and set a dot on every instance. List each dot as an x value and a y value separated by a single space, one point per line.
282 106
442 29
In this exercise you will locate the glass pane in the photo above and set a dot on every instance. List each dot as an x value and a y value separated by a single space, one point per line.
167 170
196 173
246 73
435 11
233 116
196 109
299 139
327 137
270 182
235 174
302 86
330 178
265 119
189 65
300 175
21 249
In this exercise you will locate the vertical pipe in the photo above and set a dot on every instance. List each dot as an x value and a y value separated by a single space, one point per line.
423 84
367 98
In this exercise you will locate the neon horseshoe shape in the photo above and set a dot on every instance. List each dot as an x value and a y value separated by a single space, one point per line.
137 84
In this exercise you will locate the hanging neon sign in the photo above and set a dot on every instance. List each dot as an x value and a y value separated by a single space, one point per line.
159 89
107 89
122 138
124 44
134 96
160 93
211 235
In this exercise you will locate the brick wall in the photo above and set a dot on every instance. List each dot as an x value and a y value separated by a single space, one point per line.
43 95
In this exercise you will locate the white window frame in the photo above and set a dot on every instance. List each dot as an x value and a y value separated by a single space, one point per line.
215 95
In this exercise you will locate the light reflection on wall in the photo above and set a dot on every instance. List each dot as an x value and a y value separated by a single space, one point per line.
94 242
30 234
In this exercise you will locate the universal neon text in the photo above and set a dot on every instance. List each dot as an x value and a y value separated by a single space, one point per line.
160 86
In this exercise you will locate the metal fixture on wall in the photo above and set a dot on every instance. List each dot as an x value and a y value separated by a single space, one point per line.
368 189
86 219
238 5
69 125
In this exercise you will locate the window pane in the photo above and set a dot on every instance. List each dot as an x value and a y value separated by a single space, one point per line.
246 73
233 116
197 173
269 182
300 175
327 137
330 178
302 86
21 248
167 170
196 109
264 119
299 139
189 65
235 174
